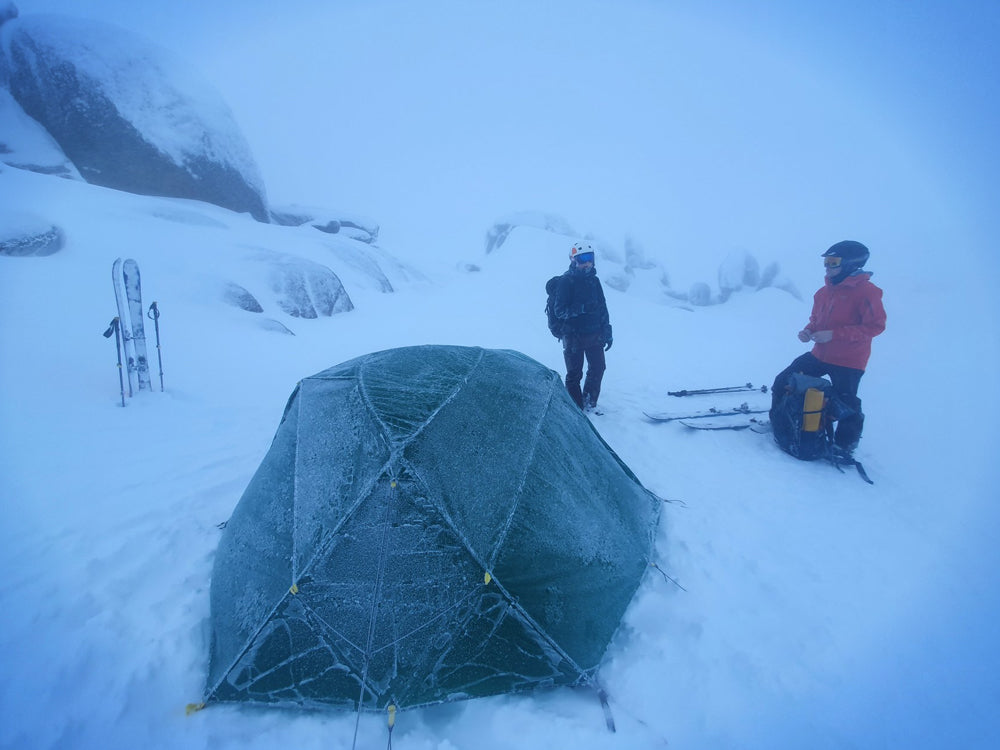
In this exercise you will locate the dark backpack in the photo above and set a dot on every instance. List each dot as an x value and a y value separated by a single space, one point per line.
802 419
557 327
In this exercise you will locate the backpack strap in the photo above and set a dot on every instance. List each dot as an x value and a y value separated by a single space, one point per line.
841 461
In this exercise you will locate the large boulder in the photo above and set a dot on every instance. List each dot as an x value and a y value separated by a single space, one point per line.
127 114
430 524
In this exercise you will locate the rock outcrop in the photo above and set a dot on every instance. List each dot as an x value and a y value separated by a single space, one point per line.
126 113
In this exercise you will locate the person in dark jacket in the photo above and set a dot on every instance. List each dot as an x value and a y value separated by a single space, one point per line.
847 314
580 306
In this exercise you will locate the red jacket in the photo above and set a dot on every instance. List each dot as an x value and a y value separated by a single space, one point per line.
853 310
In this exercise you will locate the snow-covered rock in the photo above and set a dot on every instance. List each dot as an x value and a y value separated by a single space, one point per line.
23 234
238 296
700 294
295 286
27 145
350 225
630 270
739 270
502 228
127 113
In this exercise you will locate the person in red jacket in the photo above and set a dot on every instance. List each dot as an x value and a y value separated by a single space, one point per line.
847 314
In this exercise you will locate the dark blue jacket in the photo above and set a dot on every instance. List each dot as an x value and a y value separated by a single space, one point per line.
579 302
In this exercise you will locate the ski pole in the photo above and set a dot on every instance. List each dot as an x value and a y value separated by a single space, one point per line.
154 314
729 389
113 326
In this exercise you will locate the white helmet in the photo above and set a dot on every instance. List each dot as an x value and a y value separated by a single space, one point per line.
581 248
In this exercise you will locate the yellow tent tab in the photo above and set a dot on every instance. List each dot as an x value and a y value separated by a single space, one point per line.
487 578
295 588
193 708
392 716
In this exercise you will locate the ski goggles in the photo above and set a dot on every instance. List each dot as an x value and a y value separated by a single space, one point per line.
832 262
584 257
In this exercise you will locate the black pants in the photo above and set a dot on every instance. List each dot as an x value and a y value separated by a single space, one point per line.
845 384
573 354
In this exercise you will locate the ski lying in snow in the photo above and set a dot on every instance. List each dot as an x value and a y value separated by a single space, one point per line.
724 389
741 410
728 422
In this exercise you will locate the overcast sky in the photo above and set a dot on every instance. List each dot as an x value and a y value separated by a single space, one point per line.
697 129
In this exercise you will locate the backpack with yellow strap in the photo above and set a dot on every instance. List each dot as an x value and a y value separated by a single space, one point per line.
803 418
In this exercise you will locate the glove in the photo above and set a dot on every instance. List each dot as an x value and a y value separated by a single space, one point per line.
607 344
805 335
821 337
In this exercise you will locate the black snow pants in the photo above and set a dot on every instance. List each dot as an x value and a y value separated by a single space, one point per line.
575 349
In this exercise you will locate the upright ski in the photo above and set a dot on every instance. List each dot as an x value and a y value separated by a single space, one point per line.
133 292
124 324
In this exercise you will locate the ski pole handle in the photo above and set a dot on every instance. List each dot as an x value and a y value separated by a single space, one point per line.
112 326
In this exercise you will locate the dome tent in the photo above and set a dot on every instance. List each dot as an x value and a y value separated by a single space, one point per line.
430 523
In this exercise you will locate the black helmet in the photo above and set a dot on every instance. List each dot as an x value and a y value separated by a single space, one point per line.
851 253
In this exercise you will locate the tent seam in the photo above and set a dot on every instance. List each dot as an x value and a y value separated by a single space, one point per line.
524 476
511 601
451 397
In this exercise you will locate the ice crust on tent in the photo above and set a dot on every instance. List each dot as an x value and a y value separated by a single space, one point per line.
429 524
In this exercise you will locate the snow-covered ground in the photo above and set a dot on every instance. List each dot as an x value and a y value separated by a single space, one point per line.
816 611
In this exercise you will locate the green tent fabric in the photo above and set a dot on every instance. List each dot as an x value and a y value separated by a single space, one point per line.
430 523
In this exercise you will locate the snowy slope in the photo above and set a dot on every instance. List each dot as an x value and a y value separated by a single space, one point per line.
812 606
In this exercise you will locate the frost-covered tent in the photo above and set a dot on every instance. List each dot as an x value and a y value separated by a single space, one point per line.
430 523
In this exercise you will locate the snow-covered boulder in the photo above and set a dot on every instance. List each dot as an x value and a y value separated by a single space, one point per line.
27 145
502 228
127 113
295 286
305 289
355 227
238 296
700 294
24 234
739 270
628 268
